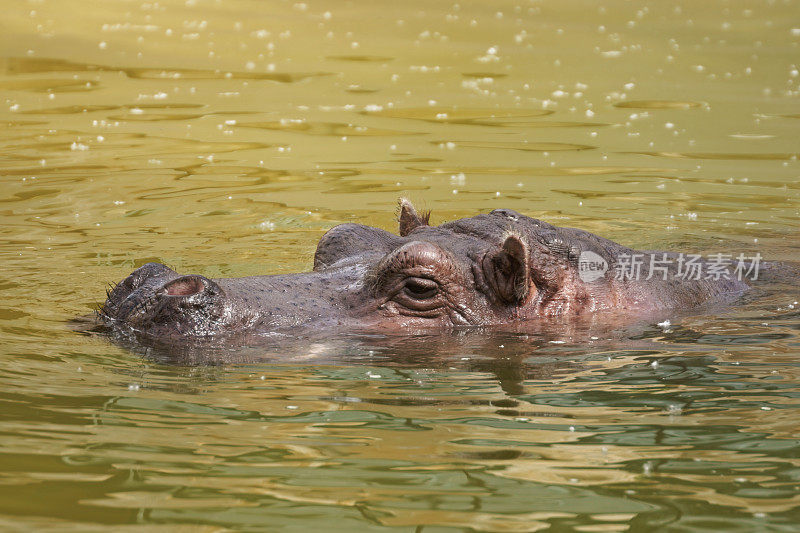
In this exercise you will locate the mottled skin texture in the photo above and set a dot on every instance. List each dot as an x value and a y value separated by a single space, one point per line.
494 269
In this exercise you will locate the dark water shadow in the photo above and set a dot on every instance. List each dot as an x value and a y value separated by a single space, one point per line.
513 354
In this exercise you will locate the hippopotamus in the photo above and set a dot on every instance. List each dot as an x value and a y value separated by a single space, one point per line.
497 269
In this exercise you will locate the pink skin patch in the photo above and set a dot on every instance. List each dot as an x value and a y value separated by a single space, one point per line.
184 287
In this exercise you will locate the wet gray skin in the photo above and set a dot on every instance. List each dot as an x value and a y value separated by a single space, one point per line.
498 269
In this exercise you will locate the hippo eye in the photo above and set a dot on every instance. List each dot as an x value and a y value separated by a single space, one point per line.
421 288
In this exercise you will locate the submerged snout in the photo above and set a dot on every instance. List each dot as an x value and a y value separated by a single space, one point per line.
155 297
140 285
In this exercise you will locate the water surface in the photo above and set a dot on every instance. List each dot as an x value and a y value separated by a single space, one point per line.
224 138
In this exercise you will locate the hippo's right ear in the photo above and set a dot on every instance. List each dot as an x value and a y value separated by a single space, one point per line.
507 270
409 219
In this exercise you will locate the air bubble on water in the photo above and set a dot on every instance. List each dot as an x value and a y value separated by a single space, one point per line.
458 179
647 468
654 364
133 387
292 407
572 429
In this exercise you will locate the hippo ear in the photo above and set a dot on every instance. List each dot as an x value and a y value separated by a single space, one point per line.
507 270
409 219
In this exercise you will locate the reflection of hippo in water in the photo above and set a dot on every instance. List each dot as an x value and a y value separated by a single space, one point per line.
501 268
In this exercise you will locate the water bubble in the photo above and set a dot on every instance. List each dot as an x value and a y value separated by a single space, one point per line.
674 409
458 179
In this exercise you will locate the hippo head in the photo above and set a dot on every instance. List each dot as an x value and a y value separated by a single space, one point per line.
490 269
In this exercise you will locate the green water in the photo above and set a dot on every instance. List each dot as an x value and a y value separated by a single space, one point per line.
224 138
